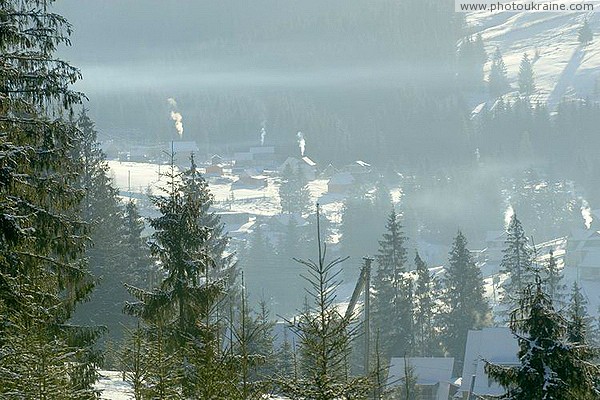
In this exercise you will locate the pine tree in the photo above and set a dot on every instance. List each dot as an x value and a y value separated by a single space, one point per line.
498 79
325 336
526 81
585 34
551 367
464 303
42 274
517 262
392 305
426 343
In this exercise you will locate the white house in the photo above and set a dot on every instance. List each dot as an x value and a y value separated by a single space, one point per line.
497 345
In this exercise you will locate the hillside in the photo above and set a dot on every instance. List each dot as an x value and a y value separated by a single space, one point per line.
563 68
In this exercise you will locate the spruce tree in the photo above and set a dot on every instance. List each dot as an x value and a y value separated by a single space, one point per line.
464 304
42 274
526 81
325 338
498 79
516 262
180 310
551 367
392 304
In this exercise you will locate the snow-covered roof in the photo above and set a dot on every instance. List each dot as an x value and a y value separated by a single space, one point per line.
309 162
497 345
427 370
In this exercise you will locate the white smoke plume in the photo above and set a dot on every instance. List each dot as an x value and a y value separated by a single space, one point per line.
508 214
586 213
301 142
263 133
176 116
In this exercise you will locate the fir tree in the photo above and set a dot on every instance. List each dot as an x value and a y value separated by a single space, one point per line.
517 262
526 81
497 79
550 366
465 305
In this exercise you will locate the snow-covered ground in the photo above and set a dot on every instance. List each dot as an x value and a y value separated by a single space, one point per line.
113 387
562 67
137 179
